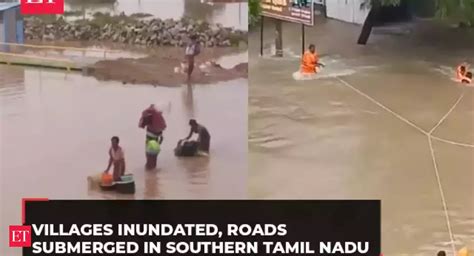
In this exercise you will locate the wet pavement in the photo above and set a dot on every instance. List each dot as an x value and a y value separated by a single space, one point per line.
56 130
361 131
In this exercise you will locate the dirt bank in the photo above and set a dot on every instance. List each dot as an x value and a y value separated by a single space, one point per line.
159 68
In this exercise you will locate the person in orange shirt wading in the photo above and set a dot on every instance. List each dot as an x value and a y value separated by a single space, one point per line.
310 62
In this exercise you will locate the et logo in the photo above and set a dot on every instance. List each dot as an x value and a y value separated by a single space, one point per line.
20 236
41 7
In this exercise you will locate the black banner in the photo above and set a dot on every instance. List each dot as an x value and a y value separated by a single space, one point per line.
296 11
66 227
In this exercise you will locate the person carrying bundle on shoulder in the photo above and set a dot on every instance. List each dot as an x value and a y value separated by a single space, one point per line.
153 121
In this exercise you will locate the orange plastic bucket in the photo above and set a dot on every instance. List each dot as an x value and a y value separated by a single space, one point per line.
107 179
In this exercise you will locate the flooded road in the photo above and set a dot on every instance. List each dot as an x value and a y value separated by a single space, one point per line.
382 121
230 15
56 131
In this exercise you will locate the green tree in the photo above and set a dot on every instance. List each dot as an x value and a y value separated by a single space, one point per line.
254 12
367 3
461 11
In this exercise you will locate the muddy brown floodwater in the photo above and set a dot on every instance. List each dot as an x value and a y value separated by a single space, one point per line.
382 121
56 129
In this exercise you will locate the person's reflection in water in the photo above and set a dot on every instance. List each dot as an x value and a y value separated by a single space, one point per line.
188 100
151 190
197 170
95 192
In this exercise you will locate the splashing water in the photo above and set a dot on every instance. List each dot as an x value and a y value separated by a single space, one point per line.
446 71
333 68
450 73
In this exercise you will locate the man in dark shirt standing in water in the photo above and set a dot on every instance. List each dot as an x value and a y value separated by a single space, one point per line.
204 138
192 50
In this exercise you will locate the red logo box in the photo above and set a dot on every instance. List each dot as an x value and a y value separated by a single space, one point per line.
20 236
38 7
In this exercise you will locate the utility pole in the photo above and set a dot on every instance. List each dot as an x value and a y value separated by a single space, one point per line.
278 38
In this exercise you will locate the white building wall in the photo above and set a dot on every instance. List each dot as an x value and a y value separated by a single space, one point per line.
360 14
346 10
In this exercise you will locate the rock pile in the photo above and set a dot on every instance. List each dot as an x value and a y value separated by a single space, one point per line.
128 30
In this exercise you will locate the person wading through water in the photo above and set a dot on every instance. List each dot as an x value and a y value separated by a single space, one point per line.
204 138
154 122
462 74
192 50
310 61
117 158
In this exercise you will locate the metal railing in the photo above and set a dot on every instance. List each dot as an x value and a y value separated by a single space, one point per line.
19 59
53 47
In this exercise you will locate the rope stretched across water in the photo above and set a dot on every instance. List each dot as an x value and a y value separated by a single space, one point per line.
430 138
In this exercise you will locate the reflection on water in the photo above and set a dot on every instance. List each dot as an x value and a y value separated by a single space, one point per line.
230 15
56 131
320 139
188 101
12 86
229 61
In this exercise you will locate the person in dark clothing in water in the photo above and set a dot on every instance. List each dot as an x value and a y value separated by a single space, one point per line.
192 50
204 138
